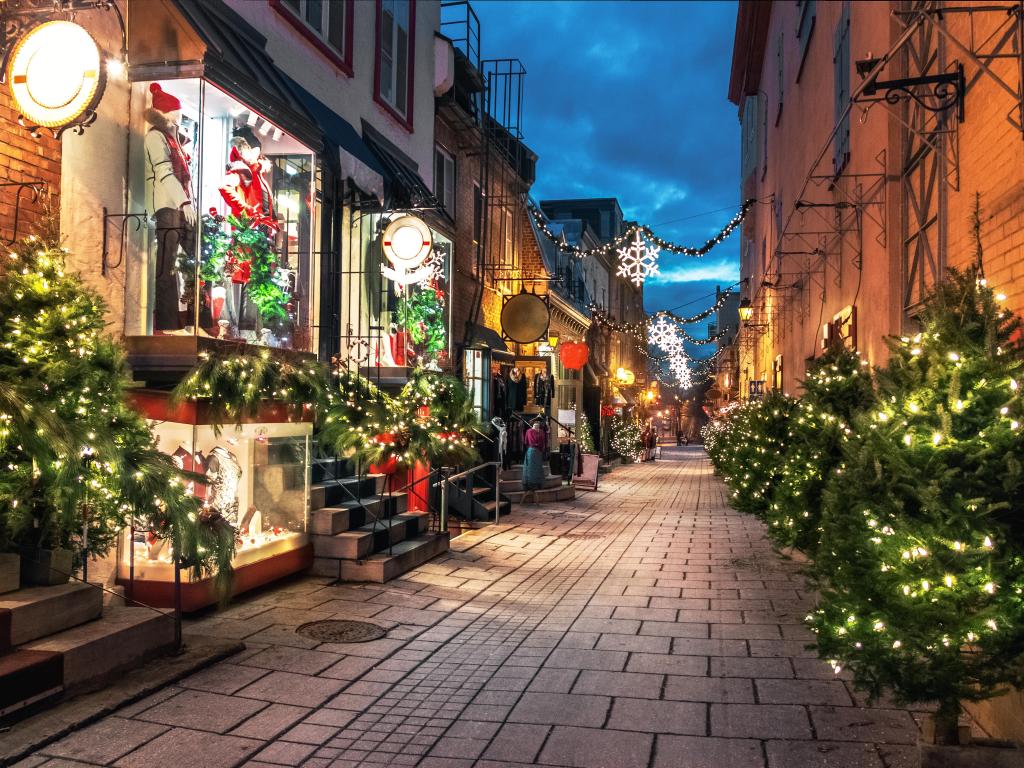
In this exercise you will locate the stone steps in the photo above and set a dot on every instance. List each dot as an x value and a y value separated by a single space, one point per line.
34 612
328 521
511 486
543 495
405 556
371 537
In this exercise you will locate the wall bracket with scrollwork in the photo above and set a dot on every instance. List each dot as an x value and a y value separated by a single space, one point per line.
935 93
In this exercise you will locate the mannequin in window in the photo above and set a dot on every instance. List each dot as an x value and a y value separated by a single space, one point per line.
225 474
542 386
516 389
247 193
169 188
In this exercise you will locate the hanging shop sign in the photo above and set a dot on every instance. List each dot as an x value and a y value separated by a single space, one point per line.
56 76
407 243
625 376
524 318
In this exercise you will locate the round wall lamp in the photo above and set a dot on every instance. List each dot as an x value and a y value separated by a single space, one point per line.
56 76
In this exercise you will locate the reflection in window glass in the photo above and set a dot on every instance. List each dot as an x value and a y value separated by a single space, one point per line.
394 53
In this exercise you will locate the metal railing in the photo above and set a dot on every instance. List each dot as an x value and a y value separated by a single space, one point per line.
446 479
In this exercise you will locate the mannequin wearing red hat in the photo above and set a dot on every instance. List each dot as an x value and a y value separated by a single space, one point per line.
169 182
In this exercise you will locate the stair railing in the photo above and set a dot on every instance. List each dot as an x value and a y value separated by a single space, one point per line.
403 489
446 479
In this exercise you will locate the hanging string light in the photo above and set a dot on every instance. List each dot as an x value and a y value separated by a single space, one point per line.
640 231
639 330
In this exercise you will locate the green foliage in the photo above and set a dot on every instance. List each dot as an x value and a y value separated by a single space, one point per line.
585 434
422 315
236 386
431 419
919 549
626 438
921 556
748 450
244 245
71 448
837 388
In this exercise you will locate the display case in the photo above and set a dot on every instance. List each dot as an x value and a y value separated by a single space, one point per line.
225 247
256 476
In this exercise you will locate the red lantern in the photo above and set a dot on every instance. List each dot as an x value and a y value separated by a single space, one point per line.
423 412
574 355
607 410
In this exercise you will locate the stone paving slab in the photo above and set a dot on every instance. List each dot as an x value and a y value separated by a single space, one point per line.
647 625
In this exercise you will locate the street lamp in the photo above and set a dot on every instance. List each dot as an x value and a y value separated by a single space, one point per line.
552 339
746 310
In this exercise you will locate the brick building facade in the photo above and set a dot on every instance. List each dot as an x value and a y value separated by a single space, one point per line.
863 204
29 161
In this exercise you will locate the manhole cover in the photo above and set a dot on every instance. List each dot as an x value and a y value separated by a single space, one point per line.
332 631
582 535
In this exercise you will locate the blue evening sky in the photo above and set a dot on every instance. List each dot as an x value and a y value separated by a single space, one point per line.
629 100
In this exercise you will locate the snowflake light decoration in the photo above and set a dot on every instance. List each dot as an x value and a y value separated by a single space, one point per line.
638 261
435 263
664 334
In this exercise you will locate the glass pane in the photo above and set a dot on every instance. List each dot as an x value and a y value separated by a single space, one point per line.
256 477
293 4
315 14
252 182
336 25
401 70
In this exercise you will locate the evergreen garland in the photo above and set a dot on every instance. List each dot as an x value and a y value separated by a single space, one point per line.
236 386
71 448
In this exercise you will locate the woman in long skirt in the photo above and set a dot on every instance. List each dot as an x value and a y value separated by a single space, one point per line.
533 463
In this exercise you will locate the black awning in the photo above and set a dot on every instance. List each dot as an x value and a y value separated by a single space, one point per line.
236 59
336 129
406 187
482 335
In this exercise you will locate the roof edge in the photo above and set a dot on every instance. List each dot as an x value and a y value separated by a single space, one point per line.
752 19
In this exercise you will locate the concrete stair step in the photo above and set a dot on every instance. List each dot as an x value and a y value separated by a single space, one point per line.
563 493
485 510
331 493
29 677
121 638
34 612
371 537
513 473
405 556
327 521
551 481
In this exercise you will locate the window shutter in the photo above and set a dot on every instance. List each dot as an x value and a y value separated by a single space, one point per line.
841 70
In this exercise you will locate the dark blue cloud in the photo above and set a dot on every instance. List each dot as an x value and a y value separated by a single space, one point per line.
628 100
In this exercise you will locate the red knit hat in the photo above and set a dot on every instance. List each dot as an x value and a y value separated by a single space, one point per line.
163 101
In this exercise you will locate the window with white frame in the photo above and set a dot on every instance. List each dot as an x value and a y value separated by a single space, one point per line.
444 179
327 21
393 51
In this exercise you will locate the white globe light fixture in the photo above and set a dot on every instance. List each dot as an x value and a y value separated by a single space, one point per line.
56 76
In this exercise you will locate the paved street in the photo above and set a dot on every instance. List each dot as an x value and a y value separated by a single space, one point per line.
645 624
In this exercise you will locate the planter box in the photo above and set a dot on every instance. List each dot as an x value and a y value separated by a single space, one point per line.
46 567
10 572
979 754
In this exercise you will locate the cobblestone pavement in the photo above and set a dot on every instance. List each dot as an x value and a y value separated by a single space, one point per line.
645 624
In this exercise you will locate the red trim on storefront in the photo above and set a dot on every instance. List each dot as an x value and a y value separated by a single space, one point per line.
200 594
406 121
155 405
344 63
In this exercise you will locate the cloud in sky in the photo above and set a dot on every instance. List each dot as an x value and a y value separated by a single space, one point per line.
628 100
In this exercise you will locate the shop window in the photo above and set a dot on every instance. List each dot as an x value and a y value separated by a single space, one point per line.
444 180
327 24
255 477
396 23
476 371
226 250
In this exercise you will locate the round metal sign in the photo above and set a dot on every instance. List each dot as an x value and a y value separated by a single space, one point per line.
56 74
525 317
407 242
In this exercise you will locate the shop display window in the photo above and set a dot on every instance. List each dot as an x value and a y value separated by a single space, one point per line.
225 249
387 323
255 476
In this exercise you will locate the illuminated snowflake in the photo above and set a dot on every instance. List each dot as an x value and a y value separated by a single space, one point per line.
638 261
436 264
664 333
679 365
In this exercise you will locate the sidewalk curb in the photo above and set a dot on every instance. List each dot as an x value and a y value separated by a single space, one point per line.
21 738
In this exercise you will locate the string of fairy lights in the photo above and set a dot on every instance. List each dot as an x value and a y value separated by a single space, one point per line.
639 330
638 247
